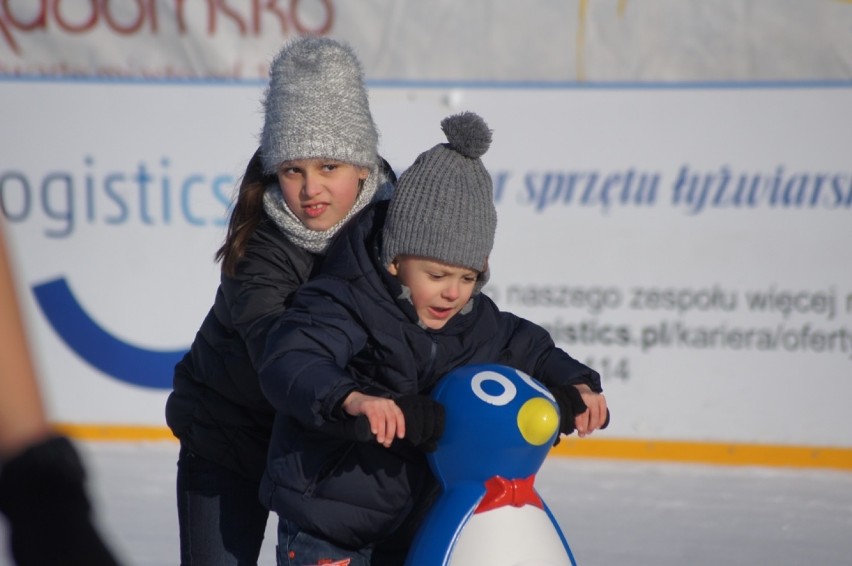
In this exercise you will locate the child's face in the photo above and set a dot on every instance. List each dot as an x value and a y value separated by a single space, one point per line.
320 192
438 290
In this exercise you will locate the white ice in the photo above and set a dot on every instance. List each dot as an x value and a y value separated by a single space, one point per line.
612 512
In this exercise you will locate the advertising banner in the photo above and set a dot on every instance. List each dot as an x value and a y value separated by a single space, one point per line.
672 183
689 244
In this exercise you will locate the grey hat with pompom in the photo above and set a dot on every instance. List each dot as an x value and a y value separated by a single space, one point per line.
316 106
443 205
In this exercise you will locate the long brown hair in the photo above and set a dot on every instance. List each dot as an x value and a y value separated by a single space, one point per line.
246 215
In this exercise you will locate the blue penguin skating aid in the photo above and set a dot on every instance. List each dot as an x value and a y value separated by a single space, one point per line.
500 425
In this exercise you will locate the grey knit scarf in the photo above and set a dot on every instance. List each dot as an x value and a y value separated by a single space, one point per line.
317 241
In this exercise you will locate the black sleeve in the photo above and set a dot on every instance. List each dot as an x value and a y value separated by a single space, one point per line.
303 368
265 279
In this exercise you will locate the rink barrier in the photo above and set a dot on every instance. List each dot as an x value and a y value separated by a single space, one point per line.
722 453
115 433
718 453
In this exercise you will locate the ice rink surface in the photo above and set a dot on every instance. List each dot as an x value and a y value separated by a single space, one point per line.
612 512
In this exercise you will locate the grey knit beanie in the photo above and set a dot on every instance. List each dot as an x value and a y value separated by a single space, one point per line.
316 106
443 205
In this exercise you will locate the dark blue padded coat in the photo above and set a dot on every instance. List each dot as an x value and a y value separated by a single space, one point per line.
217 409
347 330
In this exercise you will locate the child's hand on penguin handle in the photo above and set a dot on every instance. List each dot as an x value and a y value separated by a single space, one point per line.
424 420
386 419
596 416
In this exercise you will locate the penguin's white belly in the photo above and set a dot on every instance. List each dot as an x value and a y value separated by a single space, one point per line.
509 536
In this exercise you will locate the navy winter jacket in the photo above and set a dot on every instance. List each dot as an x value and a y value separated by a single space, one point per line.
217 409
348 329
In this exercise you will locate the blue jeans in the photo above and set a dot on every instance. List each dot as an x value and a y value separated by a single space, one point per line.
221 520
298 548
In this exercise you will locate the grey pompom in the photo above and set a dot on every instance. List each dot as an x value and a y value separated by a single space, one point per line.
467 133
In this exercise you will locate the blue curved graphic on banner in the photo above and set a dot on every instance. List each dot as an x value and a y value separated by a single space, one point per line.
114 357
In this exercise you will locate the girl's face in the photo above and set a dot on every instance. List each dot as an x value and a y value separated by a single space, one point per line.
438 290
320 192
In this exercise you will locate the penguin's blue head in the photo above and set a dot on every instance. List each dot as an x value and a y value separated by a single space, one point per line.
499 421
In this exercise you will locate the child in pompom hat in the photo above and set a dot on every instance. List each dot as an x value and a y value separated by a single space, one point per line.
396 307
316 167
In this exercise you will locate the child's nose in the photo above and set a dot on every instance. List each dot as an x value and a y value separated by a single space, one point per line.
311 185
451 291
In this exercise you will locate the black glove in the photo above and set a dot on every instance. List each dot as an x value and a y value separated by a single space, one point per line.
42 493
424 420
570 405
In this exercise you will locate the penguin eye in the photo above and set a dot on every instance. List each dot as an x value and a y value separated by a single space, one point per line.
493 388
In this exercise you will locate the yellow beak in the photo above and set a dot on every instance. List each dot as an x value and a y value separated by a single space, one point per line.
538 420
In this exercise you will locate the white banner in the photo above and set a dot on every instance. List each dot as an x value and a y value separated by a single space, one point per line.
688 243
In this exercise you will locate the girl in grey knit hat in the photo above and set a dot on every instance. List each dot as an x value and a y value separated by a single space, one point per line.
317 166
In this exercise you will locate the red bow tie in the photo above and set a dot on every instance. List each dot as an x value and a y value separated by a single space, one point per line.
500 492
